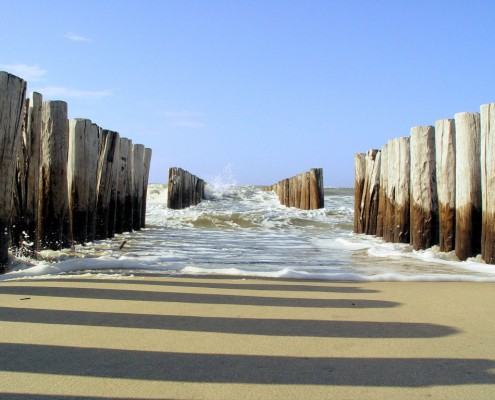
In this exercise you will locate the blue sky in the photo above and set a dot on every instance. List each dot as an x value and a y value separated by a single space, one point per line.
267 89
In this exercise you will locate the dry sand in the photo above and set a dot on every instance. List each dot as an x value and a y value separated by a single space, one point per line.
230 338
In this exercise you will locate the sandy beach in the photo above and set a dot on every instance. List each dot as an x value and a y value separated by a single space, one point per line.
149 337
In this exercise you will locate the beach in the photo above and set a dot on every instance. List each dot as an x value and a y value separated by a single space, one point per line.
156 337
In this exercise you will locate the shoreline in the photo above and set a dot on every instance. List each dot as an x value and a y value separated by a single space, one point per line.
155 337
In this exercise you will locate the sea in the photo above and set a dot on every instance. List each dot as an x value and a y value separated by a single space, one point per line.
242 231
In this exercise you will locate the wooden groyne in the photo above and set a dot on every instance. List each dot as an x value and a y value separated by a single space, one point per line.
64 181
304 191
184 189
436 187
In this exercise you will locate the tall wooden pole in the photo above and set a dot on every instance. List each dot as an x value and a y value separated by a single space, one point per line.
12 94
445 163
369 202
389 219
468 185
122 185
382 198
359 178
54 223
137 179
146 174
424 201
114 182
488 182
94 142
129 198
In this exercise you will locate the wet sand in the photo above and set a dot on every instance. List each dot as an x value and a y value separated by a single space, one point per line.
149 337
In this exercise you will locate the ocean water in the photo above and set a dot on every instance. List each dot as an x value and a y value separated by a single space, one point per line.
243 231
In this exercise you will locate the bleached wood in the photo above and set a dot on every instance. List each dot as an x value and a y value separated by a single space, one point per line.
423 202
12 94
402 194
392 171
54 223
487 151
445 170
468 185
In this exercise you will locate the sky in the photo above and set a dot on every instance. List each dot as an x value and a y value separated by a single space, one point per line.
255 90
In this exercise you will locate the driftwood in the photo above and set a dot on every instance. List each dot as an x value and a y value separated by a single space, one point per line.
423 202
468 185
445 168
488 182
54 226
184 189
12 94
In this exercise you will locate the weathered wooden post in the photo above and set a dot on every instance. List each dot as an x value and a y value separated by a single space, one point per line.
371 188
105 165
114 182
359 178
24 231
147 164
54 225
12 94
389 219
488 182
316 188
402 194
78 175
468 185
137 179
129 198
424 201
382 202
122 185
94 143
445 162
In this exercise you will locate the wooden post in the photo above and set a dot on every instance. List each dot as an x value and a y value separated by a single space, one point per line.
389 218
12 94
129 199
445 162
105 164
184 189
468 185
402 193
93 143
382 202
54 222
359 178
316 188
488 182
424 201
137 179
114 182
78 176
146 173
371 188
122 185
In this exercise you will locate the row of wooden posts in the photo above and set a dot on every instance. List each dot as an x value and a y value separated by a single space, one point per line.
304 191
184 189
64 181
435 187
